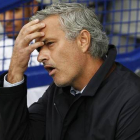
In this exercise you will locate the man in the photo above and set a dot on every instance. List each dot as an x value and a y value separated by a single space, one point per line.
92 97
13 19
12 22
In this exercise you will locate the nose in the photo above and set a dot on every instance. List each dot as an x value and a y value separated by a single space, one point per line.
9 15
43 55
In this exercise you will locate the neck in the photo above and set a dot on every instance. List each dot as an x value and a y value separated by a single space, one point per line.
89 69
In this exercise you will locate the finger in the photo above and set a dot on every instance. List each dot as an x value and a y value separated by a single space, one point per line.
31 37
34 46
31 23
34 28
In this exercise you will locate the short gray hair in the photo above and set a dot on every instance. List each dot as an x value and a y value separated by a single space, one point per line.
75 17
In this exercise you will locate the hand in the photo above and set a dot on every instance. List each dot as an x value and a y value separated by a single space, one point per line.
22 50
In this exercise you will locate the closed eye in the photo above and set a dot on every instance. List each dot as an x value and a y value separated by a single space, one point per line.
48 43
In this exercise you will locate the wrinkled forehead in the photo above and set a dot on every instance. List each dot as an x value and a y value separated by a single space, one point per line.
52 23
53 28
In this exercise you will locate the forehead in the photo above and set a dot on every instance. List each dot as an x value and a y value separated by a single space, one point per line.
53 26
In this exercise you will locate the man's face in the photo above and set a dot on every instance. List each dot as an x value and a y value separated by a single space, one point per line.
14 19
62 58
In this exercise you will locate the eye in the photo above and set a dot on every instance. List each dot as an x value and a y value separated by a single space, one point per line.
49 43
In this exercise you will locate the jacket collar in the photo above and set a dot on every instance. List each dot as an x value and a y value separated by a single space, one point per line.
100 75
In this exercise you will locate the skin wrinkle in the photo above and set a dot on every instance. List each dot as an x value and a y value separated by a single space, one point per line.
73 56
99 39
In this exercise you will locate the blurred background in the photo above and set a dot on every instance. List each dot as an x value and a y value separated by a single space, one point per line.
120 20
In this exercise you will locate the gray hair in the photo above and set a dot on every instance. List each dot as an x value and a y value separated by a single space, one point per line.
75 17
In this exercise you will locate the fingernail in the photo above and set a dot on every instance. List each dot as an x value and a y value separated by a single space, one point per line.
42 33
36 20
42 24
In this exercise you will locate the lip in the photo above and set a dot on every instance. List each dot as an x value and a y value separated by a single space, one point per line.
51 70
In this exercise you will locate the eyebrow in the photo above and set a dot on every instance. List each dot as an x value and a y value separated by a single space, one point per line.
43 40
47 39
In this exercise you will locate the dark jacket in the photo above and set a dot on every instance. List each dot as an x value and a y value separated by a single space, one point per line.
108 109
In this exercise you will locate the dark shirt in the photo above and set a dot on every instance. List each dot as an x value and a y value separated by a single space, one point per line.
108 109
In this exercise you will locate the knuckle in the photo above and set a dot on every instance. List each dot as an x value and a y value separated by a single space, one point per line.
24 28
23 31
30 49
38 34
38 26
37 44
21 51
28 30
27 38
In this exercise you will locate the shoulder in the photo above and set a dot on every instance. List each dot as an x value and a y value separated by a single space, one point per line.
122 86
126 80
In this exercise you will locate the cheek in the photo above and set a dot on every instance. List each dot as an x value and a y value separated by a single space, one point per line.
72 64
66 56
68 68
77 64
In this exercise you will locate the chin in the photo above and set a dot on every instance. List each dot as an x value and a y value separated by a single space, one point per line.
62 84
63 81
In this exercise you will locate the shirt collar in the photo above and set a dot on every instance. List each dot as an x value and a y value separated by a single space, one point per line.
73 91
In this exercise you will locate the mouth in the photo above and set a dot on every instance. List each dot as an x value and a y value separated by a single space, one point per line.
50 69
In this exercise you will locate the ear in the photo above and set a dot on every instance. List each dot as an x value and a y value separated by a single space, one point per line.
84 39
33 7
